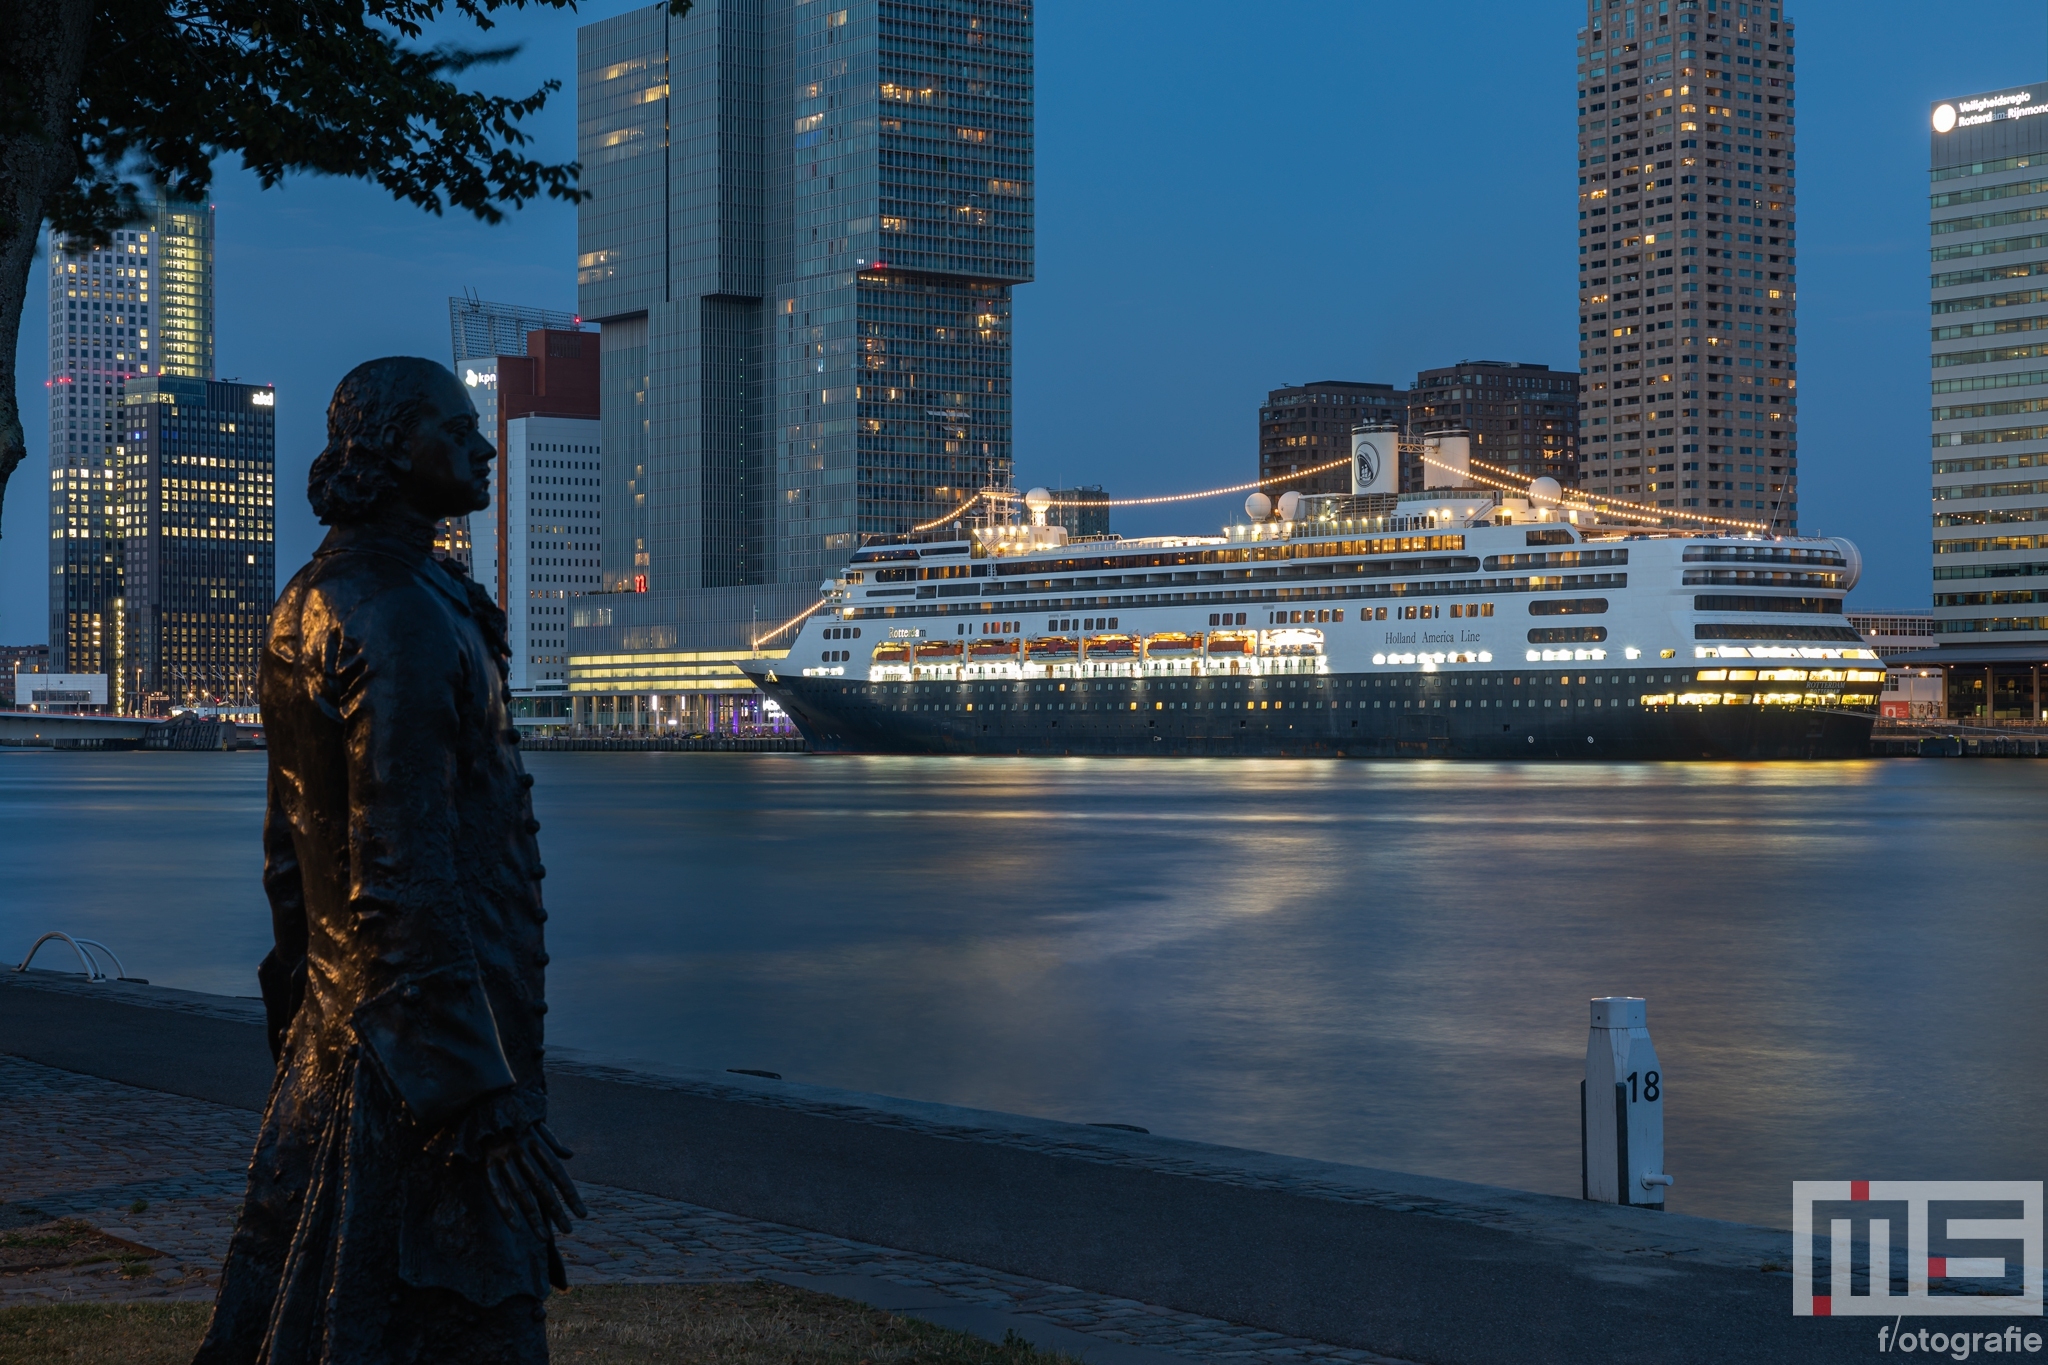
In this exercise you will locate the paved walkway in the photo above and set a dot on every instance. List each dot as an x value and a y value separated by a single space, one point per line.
167 1172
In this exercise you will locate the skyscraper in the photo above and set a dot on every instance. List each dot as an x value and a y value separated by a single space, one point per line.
1687 300
142 306
1989 167
801 254
198 465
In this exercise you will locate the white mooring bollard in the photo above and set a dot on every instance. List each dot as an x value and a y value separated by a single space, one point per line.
1621 1108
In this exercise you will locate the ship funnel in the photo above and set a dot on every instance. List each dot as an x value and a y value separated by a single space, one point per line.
1447 460
1375 459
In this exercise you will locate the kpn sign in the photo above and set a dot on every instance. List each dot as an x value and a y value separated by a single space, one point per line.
1980 109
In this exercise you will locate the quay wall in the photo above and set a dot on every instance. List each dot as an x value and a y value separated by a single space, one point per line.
1414 1267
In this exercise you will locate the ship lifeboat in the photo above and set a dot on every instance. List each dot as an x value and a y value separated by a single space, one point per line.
938 651
892 652
992 651
1054 649
1173 644
1112 648
1228 642
1294 643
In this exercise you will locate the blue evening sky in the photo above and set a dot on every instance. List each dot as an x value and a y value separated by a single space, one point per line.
1231 197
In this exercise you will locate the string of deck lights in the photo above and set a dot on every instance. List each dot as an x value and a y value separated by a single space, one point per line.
1207 493
1620 507
1640 510
795 620
1473 470
1004 495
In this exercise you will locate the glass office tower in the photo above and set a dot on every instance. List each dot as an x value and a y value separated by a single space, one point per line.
1989 173
198 470
1687 304
804 228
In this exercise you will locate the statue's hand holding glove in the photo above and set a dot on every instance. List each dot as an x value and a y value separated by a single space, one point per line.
529 1181
433 1037
521 1158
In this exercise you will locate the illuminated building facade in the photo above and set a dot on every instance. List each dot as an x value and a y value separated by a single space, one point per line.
801 253
1687 298
1302 426
808 335
198 462
140 306
1989 171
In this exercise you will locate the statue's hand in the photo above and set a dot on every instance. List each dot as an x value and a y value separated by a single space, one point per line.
530 1183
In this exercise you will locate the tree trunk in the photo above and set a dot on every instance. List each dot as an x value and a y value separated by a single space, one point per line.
42 61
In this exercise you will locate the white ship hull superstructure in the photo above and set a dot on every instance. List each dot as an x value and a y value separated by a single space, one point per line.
1456 624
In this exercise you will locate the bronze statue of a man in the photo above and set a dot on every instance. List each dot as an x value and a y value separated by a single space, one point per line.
404 1189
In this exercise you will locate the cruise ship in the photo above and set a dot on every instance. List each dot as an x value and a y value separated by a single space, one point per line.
1483 623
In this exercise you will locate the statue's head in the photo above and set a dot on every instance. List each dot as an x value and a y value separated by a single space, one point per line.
400 430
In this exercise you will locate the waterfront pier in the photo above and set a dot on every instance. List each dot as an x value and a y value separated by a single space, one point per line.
132 1106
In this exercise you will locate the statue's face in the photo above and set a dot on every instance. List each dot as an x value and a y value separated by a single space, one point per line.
450 460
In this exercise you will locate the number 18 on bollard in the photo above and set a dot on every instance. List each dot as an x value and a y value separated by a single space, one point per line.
1621 1108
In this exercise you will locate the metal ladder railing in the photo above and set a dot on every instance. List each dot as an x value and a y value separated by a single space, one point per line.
88 959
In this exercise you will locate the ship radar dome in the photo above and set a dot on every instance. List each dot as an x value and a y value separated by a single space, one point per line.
1546 492
1258 507
1290 505
1037 501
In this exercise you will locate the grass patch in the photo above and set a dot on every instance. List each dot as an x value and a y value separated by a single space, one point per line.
753 1324
69 1242
715 1324
102 1333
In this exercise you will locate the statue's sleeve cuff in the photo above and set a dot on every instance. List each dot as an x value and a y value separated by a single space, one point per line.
502 1117
433 1037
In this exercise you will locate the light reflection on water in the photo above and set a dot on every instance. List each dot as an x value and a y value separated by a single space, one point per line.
1378 963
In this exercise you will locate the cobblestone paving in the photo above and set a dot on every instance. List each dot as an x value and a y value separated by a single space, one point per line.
166 1172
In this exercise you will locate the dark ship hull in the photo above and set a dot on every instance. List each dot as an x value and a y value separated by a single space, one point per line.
1499 715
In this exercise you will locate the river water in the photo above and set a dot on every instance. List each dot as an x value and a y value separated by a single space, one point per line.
1385 964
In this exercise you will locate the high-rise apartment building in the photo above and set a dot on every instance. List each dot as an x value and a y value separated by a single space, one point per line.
1521 417
1687 299
198 466
480 332
141 306
1989 167
553 375
1303 426
801 253
536 546
548 504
